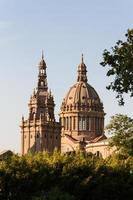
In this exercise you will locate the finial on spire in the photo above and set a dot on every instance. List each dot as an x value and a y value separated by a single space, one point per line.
82 76
82 59
22 118
42 54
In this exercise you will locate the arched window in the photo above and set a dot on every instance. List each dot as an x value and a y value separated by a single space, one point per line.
84 123
73 123
42 83
80 123
42 71
33 114
38 135
98 154
87 124
97 123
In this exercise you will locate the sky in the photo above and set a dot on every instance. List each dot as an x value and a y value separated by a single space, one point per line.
64 29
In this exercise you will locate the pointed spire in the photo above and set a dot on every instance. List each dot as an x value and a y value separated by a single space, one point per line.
42 76
42 54
82 72
82 59
42 63
22 118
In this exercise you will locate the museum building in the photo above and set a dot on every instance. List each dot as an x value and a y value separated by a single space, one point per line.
81 124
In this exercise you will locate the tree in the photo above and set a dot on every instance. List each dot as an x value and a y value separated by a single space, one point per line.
76 176
120 63
55 194
121 129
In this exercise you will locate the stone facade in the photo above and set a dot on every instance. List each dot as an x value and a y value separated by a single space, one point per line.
82 114
100 148
81 124
40 131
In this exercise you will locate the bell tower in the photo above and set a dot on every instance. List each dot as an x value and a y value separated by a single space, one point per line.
42 76
40 131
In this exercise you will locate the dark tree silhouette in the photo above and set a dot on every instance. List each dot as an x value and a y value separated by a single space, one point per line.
120 63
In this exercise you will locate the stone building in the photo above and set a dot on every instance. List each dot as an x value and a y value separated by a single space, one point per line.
81 125
40 131
81 115
100 147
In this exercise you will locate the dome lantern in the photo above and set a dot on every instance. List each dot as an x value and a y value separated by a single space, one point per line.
82 72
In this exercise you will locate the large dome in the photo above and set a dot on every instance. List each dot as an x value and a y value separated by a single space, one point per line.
82 114
82 94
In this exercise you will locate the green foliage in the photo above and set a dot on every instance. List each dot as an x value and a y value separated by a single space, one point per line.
121 127
55 194
120 63
76 176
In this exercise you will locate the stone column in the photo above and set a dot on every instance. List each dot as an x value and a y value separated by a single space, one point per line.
62 121
73 123
29 136
102 124
22 140
70 123
76 123
89 123
41 137
34 134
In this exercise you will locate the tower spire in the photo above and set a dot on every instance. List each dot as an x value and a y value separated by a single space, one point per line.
42 54
82 59
42 76
82 72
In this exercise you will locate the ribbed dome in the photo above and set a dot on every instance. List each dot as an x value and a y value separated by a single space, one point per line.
83 95
82 113
81 92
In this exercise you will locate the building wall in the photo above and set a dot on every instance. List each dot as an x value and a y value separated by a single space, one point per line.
82 112
100 149
40 131
36 137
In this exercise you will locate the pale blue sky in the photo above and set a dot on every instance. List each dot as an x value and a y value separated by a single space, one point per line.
64 29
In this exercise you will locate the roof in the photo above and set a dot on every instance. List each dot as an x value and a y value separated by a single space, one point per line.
71 138
99 138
